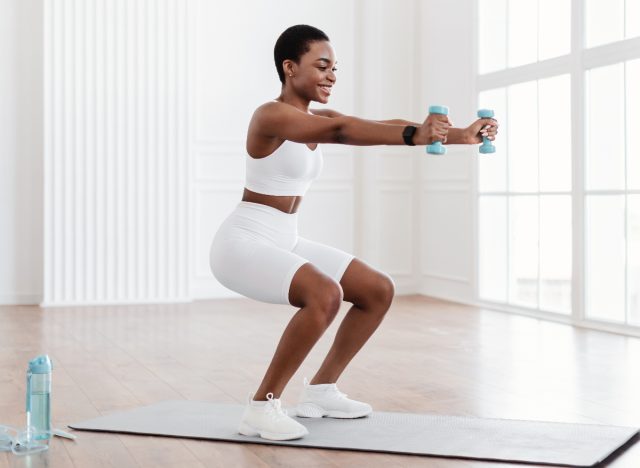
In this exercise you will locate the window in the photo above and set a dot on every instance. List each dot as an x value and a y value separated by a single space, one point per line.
531 253
534 31
611 20
525 197
612 171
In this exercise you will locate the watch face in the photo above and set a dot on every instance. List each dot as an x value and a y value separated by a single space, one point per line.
409 131
407 134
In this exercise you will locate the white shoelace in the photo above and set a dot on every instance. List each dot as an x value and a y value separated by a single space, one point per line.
339 395
274 408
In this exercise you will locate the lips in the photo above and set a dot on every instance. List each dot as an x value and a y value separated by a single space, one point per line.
326 89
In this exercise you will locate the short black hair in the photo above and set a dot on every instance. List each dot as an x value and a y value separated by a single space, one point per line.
293 43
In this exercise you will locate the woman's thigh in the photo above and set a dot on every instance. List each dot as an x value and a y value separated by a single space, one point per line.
254 269
329 260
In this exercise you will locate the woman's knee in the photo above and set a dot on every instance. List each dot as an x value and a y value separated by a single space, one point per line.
324 303
381 292
312 288
327 297
388 289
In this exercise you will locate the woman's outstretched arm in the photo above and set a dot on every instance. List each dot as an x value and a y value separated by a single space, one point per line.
455 136
280 120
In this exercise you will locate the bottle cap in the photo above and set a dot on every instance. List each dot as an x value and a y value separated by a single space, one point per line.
40 365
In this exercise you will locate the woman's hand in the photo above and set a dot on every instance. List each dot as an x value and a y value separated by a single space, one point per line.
434 128
481 128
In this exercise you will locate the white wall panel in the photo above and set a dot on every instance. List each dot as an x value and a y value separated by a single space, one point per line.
397 229
388 50
396 165
212 205
116 154
447 253
21 141
446 238
219 161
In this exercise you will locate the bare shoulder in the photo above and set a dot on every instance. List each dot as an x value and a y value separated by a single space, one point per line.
326 113
274 121
274 112
277 106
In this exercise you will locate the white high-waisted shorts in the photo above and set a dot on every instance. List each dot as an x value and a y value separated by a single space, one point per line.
257 251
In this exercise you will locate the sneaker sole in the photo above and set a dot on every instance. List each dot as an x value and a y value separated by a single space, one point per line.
310 410
247 430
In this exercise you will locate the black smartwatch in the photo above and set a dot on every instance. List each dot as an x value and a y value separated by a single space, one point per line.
407 134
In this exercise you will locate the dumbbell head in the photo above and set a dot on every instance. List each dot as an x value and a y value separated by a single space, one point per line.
485 113
443 110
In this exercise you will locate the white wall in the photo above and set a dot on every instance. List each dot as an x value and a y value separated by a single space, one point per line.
395 207
447 197
21 143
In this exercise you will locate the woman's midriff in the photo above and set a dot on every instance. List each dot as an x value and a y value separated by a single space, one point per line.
286 204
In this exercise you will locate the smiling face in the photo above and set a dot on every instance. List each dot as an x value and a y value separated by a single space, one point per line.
314 76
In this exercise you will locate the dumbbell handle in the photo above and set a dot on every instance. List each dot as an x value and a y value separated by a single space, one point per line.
486 146
437 147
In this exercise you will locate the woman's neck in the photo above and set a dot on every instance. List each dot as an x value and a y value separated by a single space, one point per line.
290 97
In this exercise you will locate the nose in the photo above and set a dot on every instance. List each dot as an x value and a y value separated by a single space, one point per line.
332 76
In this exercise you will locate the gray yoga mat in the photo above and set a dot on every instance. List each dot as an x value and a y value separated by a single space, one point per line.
406 433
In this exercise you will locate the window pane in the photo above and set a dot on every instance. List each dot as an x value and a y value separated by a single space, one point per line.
633 124
555 253
633 259
632 18
555 133
492 28
492 168
554 28
605 250
523 255
605 128
605 21
492 248
523 142
523 32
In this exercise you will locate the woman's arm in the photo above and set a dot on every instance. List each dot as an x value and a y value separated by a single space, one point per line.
280 120
332 114
455 136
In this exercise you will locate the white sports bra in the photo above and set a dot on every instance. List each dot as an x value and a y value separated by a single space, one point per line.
289 170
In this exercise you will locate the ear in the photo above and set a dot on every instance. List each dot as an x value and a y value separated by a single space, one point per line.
289 67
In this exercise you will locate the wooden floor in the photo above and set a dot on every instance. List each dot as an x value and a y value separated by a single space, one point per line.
427 356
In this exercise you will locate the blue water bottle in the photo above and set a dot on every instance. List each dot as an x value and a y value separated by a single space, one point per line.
39 397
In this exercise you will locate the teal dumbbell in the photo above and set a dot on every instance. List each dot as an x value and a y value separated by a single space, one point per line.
486 146
437 147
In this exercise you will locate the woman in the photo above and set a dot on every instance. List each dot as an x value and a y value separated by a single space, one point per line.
258 253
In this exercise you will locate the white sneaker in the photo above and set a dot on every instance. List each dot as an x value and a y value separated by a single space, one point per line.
268 420
322 400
